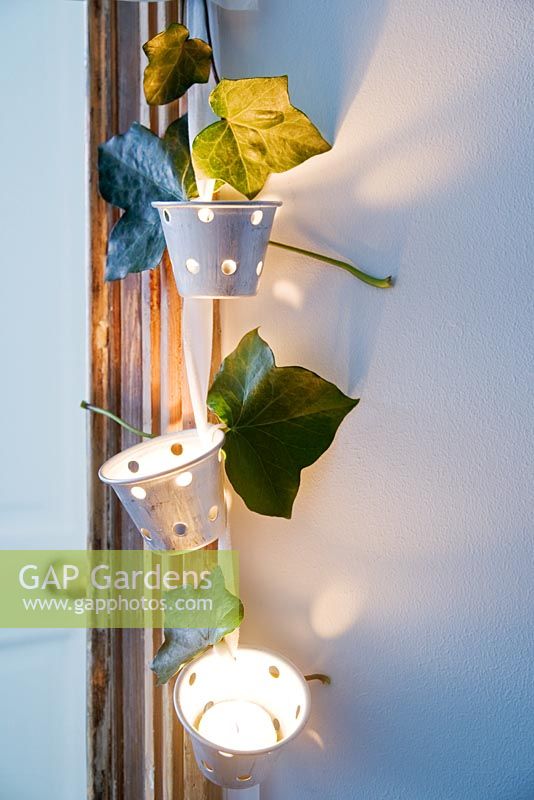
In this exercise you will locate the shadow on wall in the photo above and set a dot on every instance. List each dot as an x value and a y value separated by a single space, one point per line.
315 55
359 201
371 720
255 44
424 627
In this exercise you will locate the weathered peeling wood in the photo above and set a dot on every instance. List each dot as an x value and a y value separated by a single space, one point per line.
103 727
136 746
150 322
169 742
134 698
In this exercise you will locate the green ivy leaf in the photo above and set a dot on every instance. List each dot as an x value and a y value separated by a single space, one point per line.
279 419
175 62
134 245
134 169
177 144
260 132
182 644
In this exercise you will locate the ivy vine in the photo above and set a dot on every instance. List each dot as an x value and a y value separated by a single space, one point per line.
277 420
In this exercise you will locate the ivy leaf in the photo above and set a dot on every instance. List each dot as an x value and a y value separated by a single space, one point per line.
279 420
134 245
175 62
260 132
177 143
182 644
134 169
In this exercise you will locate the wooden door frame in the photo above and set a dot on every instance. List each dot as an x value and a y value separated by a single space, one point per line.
136 747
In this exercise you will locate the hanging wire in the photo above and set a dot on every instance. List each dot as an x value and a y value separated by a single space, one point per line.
210 42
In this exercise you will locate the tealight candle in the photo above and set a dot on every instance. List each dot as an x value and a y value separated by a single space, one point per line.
240 712
238 725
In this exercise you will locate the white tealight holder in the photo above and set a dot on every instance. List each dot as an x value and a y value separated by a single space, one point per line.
240 714
172 487
217 248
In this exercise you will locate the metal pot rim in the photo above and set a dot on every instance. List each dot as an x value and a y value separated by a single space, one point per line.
130 452
216 203
260 751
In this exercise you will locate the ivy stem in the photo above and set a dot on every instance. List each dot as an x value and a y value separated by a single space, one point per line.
380 283
118 420
318 676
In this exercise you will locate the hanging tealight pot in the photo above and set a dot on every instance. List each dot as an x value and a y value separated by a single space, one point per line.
240 713
217 248
172 487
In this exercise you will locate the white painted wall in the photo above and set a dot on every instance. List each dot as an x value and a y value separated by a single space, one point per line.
43 355
407 569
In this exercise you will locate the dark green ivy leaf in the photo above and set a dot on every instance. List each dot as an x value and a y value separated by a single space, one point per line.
182 644
279 419
177 143
134 169
175 62
135 244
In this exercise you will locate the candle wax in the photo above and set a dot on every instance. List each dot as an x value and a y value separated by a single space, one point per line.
238 725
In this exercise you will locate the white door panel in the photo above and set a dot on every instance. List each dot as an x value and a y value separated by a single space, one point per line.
42 379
